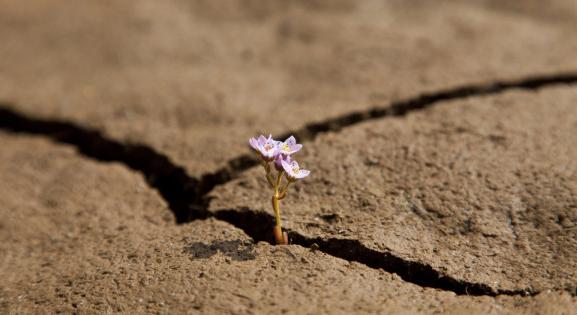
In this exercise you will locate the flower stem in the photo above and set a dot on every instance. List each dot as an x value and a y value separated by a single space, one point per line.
268 174
284 190
279 236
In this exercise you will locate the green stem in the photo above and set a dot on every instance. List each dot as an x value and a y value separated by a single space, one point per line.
275 199
285 189
269 179
275 206
279 236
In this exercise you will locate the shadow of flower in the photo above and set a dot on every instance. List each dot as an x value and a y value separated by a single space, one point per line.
237 250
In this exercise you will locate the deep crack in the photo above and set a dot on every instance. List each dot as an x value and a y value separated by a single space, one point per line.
188 199
257 225
182 192
310 131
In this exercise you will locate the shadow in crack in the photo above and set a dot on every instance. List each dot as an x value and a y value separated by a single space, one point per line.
256 224
237 250
181 192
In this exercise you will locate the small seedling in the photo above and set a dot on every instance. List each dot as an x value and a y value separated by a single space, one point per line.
279 154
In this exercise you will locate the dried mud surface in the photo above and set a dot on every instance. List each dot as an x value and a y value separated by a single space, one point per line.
482 189
83 237
441 137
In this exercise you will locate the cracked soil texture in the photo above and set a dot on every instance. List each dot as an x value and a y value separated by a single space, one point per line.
82 237
79 236
481 189
119 118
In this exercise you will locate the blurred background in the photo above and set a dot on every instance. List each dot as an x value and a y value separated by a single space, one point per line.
191 78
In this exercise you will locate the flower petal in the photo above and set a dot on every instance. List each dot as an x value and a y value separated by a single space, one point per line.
294 164
296 147
253 143
279 159
303 173
291 141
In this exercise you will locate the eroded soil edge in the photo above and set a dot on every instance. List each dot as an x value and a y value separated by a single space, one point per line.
187 196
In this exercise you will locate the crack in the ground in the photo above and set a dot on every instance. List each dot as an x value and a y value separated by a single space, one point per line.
399 108
182 192
257 225
188 199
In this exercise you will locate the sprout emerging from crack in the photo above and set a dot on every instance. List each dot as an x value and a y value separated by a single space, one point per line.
278 154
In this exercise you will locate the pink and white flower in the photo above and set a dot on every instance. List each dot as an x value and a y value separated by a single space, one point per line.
293 171
289 146
267 147
278 161
279 153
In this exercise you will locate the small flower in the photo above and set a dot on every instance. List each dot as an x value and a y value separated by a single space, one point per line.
255 143
289 146
279 159
279 153
266 147
293 171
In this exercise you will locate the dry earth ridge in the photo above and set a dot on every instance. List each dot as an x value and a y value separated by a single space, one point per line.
187 196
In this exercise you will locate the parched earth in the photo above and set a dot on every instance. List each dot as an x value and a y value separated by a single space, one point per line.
440 136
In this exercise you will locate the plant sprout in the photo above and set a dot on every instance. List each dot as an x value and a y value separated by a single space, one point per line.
278 154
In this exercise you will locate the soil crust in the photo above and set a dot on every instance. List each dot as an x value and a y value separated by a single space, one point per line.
126 186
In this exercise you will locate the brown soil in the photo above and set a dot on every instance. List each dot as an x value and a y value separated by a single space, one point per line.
440 137
82 236
483 189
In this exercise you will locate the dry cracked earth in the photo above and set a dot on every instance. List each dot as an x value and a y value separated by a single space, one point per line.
441 138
